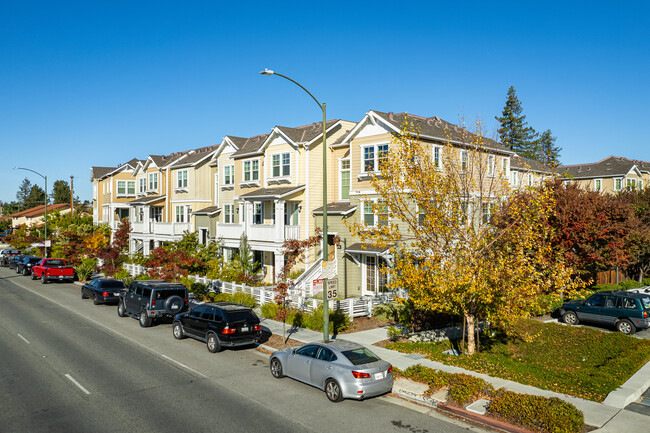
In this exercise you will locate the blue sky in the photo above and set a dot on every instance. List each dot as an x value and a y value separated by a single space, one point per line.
98 83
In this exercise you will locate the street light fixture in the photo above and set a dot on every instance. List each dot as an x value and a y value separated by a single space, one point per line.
45 178
326 327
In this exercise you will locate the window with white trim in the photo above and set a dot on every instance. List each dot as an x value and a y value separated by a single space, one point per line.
153 181
375 275
258 213
251 170
505 164
437 160
464 160
630 184
228 174
125 187
530 179
142 184
375 213
640 183
490 165
281 165
374 157
344 175
487 211
155 213
181 214
598 185
228 213
514 178
181 179
618 184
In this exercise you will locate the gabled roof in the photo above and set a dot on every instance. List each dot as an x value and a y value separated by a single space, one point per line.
99 172
146 200
428 127
195 156
524 164
40 210
609 167
272 193
251 146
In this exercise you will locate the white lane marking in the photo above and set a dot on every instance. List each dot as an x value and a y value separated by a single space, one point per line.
184 366
77 383
23 338
108 328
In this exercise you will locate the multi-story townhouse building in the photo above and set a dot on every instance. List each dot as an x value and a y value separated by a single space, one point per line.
113 189
609 175
526 172
358 157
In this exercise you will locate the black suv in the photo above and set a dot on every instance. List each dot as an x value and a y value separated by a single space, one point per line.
147 300
219 324
24 265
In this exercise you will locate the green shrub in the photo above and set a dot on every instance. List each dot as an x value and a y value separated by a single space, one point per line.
270 310
550 415
394 332
86 268
389 312
124 276
464 389
630 284
436 379
646 281
244 299
606 287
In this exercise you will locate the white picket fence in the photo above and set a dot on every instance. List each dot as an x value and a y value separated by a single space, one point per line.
299 296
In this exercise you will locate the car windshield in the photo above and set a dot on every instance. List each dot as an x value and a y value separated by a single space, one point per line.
111 284
646 303
360 356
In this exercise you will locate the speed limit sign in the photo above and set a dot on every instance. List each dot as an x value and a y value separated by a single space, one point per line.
332 289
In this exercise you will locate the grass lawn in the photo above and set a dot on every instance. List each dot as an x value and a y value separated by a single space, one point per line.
582 362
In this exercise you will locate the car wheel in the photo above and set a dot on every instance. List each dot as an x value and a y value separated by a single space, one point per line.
177 330
17 270
121 310
333 390
33 276
570 318
96 299
625 327
276 368
145 320
213 343
83 295
43 279
25 272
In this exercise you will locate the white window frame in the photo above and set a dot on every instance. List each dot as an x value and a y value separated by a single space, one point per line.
228 213
153 182
228 175
437 157
487 211
530 179
598 185
341 171
630 183
514 178
464 160
142 183
376 219
491 162
181 214
618 183
376 159
182 177
282 164
250 171
377 276
640 184
258 213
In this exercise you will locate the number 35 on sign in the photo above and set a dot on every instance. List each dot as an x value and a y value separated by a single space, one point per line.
332 289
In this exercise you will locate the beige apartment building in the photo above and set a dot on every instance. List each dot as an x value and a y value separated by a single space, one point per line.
609 175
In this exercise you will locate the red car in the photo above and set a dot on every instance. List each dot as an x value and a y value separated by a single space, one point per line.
53 269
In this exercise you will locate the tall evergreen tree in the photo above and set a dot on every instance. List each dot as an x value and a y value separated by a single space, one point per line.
23 192
514 132
35 198
549 153
60 192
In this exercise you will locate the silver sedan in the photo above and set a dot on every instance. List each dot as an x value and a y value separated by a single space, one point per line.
341 368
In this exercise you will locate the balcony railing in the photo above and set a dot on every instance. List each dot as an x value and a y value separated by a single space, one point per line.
262 232
170 229
138 227
292 232
230 231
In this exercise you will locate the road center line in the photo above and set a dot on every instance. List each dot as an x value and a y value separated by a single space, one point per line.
23 338
184 366
77 383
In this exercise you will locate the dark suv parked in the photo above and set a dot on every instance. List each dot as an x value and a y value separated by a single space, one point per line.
219 324
625 310
24 265
147 300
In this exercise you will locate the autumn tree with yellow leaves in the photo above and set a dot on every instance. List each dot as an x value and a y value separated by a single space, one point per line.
462 242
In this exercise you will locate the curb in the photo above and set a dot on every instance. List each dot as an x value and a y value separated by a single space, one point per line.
482 419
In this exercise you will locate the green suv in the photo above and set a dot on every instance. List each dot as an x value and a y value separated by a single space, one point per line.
627 311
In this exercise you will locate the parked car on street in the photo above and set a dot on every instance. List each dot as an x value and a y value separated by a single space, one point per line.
627 311
13 261
342 369
103 290
219 324
147 300
5 254
24 265
53 270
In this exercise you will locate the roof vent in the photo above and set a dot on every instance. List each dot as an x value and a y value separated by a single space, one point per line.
391 116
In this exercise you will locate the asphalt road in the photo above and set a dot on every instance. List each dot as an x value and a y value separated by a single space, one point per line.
71 366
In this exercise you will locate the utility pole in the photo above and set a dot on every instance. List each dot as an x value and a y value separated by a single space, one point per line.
71 196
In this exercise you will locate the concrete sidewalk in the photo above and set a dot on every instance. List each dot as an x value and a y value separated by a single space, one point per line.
608 416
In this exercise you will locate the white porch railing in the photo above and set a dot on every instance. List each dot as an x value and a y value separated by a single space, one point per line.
169 228
137 227
229 231
292 232
262 232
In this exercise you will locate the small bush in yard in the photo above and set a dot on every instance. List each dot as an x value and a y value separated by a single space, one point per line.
606 287
630 284
237 298
646 281
436 379
464 389
550 415
270 310
86 268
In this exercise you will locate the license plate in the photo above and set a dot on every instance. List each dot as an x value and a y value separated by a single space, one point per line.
116 294
244 329
379 376
60 277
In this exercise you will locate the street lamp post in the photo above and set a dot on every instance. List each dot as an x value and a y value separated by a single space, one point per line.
44 178
326 327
